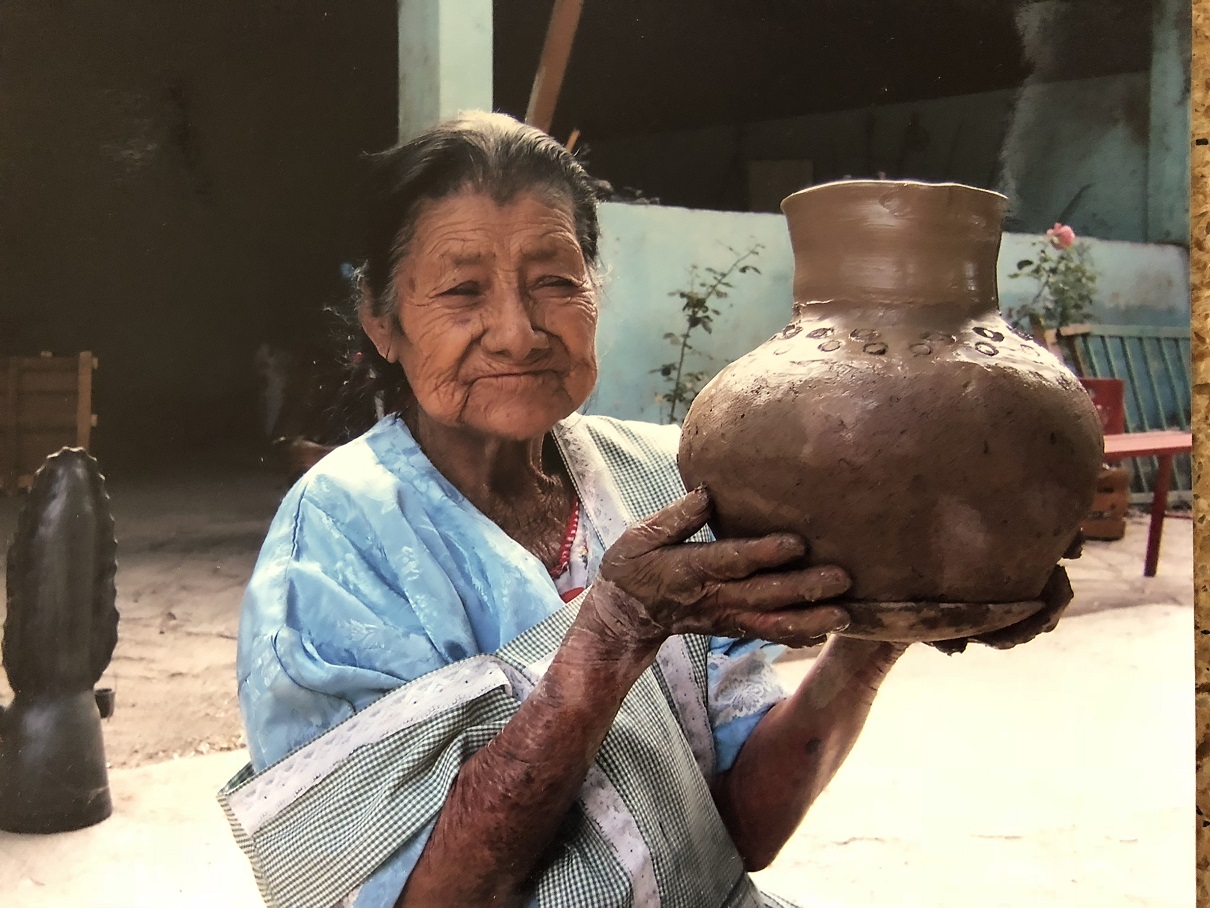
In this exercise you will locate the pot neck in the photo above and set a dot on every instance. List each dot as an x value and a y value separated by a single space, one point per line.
879 242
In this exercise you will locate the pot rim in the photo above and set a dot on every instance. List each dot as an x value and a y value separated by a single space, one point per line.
892 184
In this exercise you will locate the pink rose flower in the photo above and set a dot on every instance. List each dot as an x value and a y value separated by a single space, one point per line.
1061 236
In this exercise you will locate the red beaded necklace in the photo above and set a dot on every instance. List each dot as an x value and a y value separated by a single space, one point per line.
573 525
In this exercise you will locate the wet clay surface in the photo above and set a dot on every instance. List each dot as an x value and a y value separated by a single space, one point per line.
909 435
931 621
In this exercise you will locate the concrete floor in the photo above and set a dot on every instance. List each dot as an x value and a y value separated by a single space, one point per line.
1057 774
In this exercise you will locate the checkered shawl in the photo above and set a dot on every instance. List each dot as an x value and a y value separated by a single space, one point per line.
644 830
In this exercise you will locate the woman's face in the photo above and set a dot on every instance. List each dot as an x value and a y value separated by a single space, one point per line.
498 315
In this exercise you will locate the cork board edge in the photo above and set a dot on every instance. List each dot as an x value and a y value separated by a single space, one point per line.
1199 264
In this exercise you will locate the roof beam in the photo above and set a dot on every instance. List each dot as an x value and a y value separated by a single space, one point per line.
564 19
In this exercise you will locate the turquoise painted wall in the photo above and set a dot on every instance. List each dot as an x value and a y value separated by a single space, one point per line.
1076 149
648 250
956 138
1168 174
1137 283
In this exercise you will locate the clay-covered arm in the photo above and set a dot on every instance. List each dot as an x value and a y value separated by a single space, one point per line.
508 801
797 747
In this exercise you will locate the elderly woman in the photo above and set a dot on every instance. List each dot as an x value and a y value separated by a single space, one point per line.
489 653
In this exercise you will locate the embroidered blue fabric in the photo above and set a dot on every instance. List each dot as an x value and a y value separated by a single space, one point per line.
375 571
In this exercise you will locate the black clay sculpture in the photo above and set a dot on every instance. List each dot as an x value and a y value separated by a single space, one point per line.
59 634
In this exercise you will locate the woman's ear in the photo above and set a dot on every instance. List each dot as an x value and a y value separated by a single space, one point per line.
380 329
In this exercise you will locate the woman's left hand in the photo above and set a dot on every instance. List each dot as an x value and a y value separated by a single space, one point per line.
1055 597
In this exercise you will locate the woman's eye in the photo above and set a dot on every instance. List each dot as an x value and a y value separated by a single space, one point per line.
556 281
466 288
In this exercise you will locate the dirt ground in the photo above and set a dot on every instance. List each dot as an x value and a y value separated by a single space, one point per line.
186 547
187 542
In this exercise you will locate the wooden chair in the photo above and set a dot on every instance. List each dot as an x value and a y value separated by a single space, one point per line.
1108 396
1107 518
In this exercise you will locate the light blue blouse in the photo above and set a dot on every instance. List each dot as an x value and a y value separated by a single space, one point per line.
375 571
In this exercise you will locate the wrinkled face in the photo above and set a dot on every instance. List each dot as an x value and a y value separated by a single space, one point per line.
498 315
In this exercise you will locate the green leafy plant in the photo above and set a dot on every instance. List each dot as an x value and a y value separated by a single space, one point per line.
698 306
1066 281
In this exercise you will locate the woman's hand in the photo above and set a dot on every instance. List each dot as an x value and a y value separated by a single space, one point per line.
651 586
1055 597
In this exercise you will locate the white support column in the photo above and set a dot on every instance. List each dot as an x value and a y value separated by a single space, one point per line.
1168 149
445 61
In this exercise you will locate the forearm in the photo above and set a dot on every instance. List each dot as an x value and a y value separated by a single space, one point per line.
508 801
795 750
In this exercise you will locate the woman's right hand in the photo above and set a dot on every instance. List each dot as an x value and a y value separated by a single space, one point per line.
652 586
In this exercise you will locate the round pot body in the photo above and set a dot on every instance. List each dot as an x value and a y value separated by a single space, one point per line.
898 423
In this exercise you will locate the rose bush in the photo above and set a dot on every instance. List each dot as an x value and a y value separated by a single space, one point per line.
1066 282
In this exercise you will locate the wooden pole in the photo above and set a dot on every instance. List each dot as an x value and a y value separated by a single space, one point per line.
564 18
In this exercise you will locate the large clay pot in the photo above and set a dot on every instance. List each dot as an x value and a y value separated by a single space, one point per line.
898 423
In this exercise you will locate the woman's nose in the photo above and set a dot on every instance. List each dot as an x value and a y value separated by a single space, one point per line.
511 331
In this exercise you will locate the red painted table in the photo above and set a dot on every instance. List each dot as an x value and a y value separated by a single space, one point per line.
1164 446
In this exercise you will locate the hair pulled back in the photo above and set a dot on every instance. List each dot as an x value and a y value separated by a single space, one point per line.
489 153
